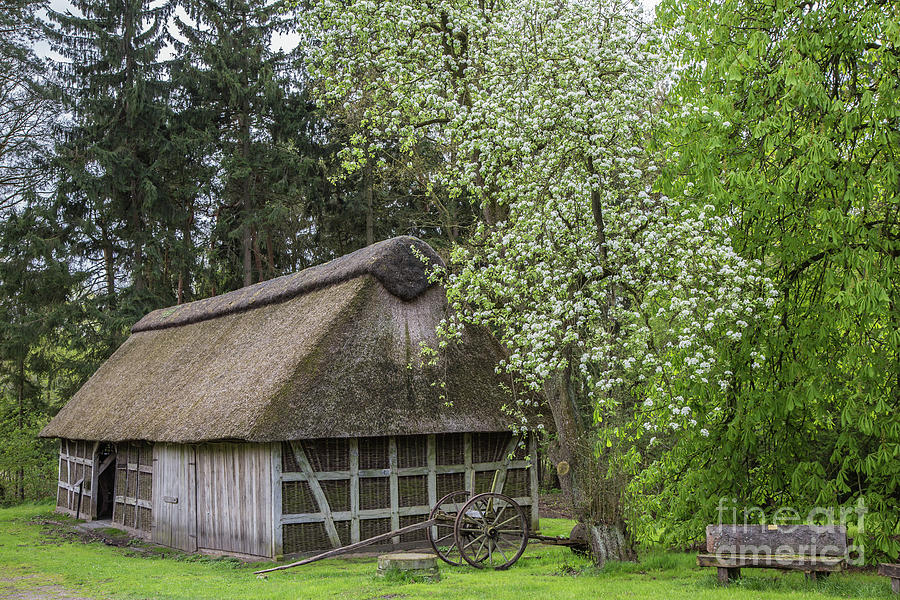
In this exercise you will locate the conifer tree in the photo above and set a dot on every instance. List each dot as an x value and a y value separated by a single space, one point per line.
111 186
225 57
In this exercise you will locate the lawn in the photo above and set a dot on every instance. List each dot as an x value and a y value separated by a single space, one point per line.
34 564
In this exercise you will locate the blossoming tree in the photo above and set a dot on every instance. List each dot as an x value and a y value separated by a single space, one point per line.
615 303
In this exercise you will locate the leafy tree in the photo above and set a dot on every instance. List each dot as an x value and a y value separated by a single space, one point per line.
608 296
785 118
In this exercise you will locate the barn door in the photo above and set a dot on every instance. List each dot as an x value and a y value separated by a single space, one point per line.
234 498
175 497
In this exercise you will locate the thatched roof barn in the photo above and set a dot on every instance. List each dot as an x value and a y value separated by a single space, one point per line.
290 415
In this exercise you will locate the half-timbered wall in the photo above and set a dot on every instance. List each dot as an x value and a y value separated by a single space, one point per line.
335 492
133 508
76 466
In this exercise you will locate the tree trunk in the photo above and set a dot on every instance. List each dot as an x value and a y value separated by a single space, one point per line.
593 495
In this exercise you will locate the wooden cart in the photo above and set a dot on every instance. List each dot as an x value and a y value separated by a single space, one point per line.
487 531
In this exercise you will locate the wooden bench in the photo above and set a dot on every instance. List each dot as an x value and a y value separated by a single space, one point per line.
817 551
892 571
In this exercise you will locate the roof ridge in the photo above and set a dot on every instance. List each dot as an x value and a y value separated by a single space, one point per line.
393 262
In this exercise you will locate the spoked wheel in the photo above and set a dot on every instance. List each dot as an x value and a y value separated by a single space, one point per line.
491 531
442 535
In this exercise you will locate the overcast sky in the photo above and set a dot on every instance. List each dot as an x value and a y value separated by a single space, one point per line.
279 41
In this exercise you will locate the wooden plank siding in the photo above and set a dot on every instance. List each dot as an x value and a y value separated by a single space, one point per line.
234 498
174 496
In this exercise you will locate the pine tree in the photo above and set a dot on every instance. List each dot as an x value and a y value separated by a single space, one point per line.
111 181
225 58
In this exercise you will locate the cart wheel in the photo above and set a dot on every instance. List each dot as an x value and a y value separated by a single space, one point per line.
442 535
491 531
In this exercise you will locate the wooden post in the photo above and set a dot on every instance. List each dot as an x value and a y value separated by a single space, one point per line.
533 481
394 486
354 490
431 458
277 528
317 493
726 574
95 477
467 459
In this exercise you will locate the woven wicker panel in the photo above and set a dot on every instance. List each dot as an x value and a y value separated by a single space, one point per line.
337 493
450 482
516 485
131 485
372 527
145 489
373 453
343 531
297 499
483 481
129 515
450 449
305 537
288 462
489 447
133 453
62 498
87 478
412 451
120 480
331 454
374 492
146 451
413 490
145 519
415 536
118 512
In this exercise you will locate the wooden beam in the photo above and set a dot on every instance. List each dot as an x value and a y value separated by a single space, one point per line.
394 484
318 494
351 547
277 529
134 502
431 461
375 513
405 472
533 481
469 482
500 478
354 490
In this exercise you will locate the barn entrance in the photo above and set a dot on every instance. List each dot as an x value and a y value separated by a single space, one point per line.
106 481
174 496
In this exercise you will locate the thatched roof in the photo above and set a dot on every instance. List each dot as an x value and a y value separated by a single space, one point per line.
331 351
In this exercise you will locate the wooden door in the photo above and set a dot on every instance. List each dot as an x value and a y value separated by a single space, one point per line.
234 498
174 496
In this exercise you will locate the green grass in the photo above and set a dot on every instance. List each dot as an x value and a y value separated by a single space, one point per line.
29 558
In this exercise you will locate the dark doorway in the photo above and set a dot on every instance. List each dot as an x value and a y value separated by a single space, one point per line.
106 481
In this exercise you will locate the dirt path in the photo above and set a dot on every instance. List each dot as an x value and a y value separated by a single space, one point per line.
31 587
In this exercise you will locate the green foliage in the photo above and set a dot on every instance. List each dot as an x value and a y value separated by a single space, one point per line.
784 118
